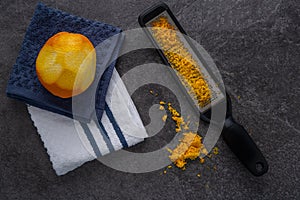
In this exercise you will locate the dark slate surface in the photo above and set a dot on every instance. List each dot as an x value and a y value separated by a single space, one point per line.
255 44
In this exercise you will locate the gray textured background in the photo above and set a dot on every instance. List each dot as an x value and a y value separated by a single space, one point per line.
255 44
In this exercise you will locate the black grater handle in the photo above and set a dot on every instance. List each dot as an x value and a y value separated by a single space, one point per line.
244 147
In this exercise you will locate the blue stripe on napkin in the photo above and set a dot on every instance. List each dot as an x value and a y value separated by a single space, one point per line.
91 139
116 126
105 136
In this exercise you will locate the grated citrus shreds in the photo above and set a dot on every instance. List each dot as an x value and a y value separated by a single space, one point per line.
190 146
181 60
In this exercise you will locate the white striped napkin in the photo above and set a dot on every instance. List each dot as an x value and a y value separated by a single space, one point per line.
71 143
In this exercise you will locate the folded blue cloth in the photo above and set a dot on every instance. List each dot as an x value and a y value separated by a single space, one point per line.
23 83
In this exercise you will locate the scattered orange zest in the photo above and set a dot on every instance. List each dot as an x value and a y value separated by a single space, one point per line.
181 59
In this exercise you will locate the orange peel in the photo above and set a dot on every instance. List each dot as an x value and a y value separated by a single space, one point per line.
66 64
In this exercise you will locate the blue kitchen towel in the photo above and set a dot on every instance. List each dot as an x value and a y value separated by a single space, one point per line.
23 83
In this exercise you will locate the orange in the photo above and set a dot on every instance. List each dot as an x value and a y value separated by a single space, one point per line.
66 64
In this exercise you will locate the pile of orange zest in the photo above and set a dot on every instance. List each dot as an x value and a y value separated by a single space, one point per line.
181 60
189 148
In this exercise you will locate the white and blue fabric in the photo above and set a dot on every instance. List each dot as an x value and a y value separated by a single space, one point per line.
71 143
